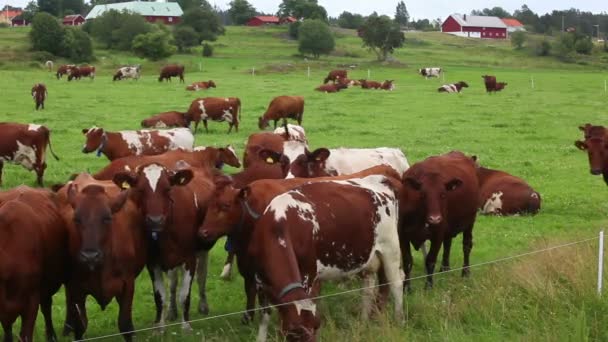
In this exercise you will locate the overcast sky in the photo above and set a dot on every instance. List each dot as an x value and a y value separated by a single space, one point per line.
418 9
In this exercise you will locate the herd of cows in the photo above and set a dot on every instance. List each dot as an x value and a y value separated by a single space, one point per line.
162 203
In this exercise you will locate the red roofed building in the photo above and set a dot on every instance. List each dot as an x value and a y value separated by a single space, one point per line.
73 20
513 25
269 20
6 15
473 26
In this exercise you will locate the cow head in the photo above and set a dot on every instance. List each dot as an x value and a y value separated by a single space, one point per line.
150 188
262 122
210 84
432 190
95 139
117 75
93 215
228 156
388 85
311 164
597 151
226 210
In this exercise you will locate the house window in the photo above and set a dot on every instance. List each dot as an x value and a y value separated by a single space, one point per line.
170 19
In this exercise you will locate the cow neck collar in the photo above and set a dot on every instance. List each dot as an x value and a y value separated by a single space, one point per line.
288 288
104 141
245 210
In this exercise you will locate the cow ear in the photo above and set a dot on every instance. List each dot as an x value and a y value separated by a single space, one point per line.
72 193
124 180
270 157
321 154
244 193
181 177
453 184
412 183
85 130
580 145
119 201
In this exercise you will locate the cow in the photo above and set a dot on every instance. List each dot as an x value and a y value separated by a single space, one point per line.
430 72
107 249
291 144
25 145
81 71
201 85
64 70
596 146
294 132
283 107
316 219
135 143
133 72
258 142
350 82
167 119
332 88
438 201
206 158
503 194
218 109
365 84
500 86
453 87
39 94
490 82
336 76
49 65
388 85
172 70
35 261
324 162
173 204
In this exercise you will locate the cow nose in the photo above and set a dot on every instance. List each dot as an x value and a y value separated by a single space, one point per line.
204 233
155 222
90 255
434 219
596 172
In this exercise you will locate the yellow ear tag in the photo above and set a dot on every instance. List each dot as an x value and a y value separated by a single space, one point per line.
125 185
318 159
182 180
270 160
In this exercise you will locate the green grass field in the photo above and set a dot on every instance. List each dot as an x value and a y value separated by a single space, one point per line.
527 132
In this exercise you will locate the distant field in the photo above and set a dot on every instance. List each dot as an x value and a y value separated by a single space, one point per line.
527 132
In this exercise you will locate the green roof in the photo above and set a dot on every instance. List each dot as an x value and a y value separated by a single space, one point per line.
144 8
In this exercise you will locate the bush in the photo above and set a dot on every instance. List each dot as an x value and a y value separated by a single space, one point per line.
154 45
76 45
185 38
542 48
205 22
46 33
294 29
518 39
116 30
584 46
315 38
207 50
42 56
4 25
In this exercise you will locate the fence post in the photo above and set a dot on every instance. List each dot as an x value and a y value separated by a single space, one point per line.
308 73
600 264
200 66
253 71
605 86
369 73
532 81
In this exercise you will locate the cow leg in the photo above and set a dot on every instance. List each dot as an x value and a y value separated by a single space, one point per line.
250 292
196 126
40 172
383 291
391 265
8 331
205 124
125 304
172 275
430 261
230 127
445 262
265 321
1 167
406 255
46 304
184 293
275 123
467 246
201 279
76 314
28 319
369 289
160 295
227 270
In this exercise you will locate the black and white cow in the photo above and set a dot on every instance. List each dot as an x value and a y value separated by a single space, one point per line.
453 87
128 72
430 72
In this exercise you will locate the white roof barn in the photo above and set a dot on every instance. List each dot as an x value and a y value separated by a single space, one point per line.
478 21
475 26
168 12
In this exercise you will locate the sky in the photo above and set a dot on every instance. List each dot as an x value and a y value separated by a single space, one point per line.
418 9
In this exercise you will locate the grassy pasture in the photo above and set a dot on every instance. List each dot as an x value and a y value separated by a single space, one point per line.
527 132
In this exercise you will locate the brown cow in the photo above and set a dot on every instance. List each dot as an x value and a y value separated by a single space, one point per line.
201 85
39 94
336 76
490 82
350 82
64 70
167 119
216 109
25 145
120 144
258 142
388 85
365 84
35 237
331 88
500 86
171 233
438 201
172 70
503 194
596 145
283 107
81 71
107 249
207 158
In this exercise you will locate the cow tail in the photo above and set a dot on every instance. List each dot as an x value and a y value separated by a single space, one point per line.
47 134
239 103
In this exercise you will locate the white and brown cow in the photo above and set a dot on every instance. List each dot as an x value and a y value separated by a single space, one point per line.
430 72
216 109
25 145
453 87
135 143
133 72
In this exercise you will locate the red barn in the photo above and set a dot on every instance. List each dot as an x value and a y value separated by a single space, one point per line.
474 26
263 20
73 20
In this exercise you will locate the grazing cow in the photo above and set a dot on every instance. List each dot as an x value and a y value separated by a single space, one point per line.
596 145
172 70
167 119
283 107
201 85
64 70
35 261
365 84
39 94
205 158
503 194
25 145
107 249
81 71
49 65
343 161
490 82
133 72
135 143
430 72
332 88
438 200
171 234
218 109
453 87
336 76
500 86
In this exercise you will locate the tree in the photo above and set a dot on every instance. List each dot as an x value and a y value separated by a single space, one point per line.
302 9
155 45
241 11
315 38
518 39
116 30
381 35
50 6
30 11
46 33
75 6
492 12
402 17
204 22
190 4
350 21
527 17
185 37
76 45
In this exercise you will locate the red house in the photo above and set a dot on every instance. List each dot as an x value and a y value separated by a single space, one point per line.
19 21
474 26
73 20
269 20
